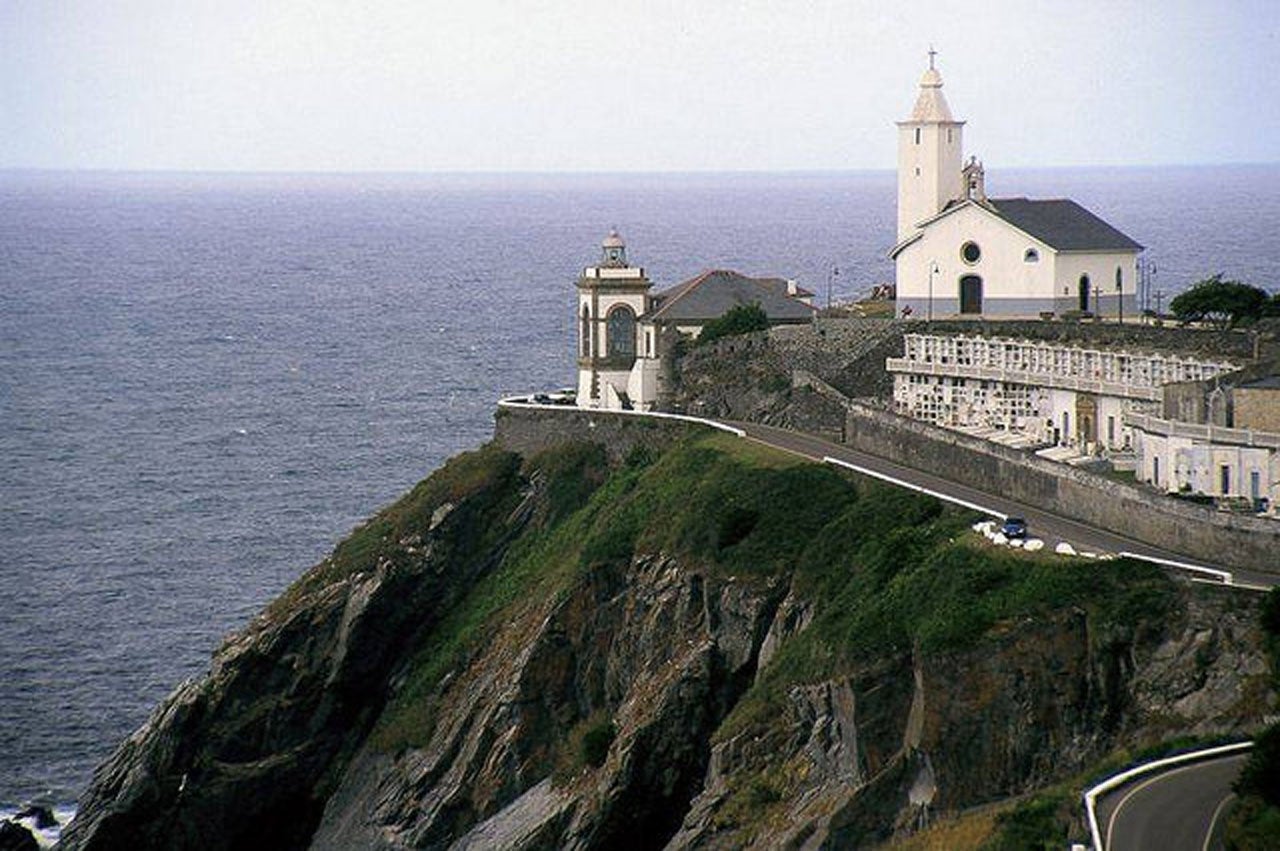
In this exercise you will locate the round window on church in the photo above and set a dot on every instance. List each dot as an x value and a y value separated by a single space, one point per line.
970 252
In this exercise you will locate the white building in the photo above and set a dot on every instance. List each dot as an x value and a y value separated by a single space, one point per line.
624 331
1052 393
959 252
1226 456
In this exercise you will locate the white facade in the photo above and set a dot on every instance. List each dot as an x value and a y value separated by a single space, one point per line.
617 351
1018 274
1221 462
1050 392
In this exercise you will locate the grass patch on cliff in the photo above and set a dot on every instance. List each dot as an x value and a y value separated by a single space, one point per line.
895 573
538 566
483 475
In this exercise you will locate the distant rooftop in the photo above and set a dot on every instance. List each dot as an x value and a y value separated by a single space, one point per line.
713 293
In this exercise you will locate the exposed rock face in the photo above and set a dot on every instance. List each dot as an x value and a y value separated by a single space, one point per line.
285 743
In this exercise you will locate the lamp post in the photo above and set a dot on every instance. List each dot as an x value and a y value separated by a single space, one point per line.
933 270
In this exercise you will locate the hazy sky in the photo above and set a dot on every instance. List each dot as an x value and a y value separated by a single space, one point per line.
652 85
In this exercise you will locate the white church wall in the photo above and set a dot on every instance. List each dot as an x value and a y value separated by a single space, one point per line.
1011 286
1101 268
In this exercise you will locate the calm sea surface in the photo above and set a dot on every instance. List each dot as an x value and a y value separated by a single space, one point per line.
206 381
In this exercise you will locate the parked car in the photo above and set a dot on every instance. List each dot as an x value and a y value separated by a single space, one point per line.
1014 527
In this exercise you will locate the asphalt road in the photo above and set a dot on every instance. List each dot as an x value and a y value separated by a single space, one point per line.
1176 810
1041 524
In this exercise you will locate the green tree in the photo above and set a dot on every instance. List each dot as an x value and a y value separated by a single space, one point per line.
1224 304
737 320
1272 307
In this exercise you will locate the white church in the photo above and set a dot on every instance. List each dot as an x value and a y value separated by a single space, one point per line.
960 253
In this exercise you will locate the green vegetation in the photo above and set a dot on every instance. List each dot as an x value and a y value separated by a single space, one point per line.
479 477
595 742
887 571
1034 824
1254 824
894 571
737 320
536 566
1223 304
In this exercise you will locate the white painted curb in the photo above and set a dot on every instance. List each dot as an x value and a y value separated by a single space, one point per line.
1091 795
1222 576
866 471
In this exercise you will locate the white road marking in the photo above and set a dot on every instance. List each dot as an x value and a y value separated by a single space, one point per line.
1208 836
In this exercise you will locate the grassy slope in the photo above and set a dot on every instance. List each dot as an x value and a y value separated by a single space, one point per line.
882 567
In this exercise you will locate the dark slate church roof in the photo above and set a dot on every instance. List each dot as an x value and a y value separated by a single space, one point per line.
1062 224
712 294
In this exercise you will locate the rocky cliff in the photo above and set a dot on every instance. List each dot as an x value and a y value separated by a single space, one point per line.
712 647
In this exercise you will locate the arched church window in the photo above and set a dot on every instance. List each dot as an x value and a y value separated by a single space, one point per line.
1084 292
1031 256
585 345
970 252
622 332
1119 279
917 135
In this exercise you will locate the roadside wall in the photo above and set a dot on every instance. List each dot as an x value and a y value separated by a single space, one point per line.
528 431
1234 540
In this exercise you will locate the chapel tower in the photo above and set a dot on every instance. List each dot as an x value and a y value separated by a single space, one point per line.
930 155
612 296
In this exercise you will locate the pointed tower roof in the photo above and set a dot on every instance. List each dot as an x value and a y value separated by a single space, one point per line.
931 106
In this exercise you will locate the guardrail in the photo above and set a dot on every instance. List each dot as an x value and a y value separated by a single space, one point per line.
1091 795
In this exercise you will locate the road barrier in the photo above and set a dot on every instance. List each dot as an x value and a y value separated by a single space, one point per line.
1091 795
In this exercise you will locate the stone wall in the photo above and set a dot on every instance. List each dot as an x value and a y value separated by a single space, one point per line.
1237 541
528 431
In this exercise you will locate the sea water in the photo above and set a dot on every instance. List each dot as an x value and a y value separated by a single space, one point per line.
207 380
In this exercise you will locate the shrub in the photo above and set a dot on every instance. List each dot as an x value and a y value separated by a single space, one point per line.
742 319
593 749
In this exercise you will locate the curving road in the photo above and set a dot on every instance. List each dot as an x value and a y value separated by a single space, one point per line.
1042 524
1176 810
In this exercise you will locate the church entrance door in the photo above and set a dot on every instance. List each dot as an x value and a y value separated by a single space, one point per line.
971 294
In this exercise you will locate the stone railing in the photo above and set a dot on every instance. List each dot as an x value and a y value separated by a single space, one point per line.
1207 433
1042 379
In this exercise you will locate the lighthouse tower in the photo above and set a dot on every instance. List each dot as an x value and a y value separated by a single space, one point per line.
612 296
930 155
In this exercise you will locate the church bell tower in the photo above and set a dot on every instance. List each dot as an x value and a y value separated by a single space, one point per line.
930 155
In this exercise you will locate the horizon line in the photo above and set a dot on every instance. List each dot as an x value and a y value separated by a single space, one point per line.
573 172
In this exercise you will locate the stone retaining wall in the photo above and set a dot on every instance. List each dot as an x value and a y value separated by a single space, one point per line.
528 431
1238 541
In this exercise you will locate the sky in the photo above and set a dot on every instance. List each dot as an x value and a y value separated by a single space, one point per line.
627 85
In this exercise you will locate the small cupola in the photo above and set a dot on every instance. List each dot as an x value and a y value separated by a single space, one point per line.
613 251
975 187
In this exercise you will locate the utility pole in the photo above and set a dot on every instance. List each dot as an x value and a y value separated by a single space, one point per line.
1097 302
1159 300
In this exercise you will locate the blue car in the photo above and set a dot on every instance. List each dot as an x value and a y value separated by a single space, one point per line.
1014 527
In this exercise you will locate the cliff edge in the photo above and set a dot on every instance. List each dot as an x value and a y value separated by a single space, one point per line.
711 646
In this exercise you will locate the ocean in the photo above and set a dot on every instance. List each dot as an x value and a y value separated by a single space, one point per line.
207 380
